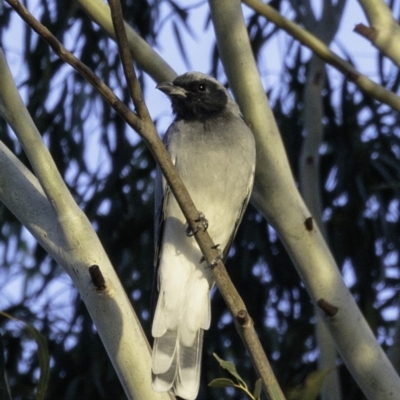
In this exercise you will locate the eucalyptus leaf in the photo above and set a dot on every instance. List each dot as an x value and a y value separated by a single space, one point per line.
257 389
222 383
230 367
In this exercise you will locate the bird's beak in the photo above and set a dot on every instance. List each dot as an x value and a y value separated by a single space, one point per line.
171 90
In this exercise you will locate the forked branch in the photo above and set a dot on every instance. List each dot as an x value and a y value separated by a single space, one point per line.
144 126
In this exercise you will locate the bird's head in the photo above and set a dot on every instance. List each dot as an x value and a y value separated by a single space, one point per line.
196 96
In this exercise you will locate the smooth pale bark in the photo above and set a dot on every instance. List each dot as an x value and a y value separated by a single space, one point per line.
309 168
384 34
271 198
384 30
276 196
146 58
394 351
376 91
66 234
309 186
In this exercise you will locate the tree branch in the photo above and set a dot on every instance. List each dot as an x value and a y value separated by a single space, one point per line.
147 131
318 47
146 58
126 60
384 32
309 171
276 196
109 308
225 285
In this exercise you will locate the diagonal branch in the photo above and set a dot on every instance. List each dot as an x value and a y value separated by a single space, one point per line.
147 131
243 321
384 32
309 170
318 47
276 196
68 237
146 58
127 61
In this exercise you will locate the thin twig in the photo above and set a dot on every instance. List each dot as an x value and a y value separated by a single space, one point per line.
127 61
146 130
79 66
146 58
66 234
318 47
244 325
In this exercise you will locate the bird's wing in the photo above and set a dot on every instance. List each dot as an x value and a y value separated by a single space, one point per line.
176 359
162 194
242 210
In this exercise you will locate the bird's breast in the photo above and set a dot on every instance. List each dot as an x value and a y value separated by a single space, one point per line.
216 165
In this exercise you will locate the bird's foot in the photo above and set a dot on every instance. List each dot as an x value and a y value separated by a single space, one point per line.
217 259
202 259
202 223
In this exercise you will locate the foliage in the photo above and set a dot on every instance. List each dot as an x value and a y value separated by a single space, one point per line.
111 176
238 383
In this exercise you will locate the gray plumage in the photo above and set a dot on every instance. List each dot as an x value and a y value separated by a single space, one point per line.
214 152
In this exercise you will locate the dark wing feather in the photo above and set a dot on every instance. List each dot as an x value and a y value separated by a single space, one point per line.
239 219
162 193
161 199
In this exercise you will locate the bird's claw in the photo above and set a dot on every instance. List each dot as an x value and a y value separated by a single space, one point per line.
203 221
217 259
202 259
202 224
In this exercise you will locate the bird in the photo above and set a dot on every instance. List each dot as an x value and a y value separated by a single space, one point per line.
213 150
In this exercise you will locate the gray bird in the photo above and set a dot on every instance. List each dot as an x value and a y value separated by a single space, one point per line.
214 152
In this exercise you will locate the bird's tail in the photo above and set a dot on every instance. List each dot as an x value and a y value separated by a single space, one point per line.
182 314
176 365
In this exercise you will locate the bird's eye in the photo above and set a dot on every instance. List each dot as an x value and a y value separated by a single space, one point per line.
201 87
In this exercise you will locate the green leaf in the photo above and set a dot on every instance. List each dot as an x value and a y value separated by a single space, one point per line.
43 354
222 383
258 389
230 367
